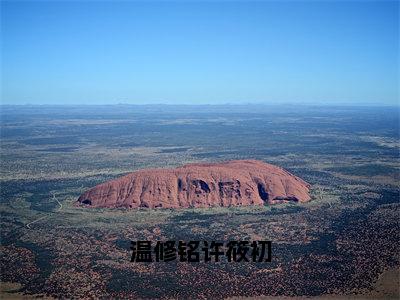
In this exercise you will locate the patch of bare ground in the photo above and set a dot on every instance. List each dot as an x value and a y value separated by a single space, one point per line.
387 287
11 291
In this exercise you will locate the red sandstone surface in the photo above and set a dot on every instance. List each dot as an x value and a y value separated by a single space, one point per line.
231 183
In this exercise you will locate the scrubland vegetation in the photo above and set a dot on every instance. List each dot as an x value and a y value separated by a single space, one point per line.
339 243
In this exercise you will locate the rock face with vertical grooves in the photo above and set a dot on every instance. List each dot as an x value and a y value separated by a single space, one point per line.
231 183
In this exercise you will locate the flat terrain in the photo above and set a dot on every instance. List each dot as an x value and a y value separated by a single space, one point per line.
345 242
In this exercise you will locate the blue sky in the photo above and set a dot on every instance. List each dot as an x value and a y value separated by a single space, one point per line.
89 52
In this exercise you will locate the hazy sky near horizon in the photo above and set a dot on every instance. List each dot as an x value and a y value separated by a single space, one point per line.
197 52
